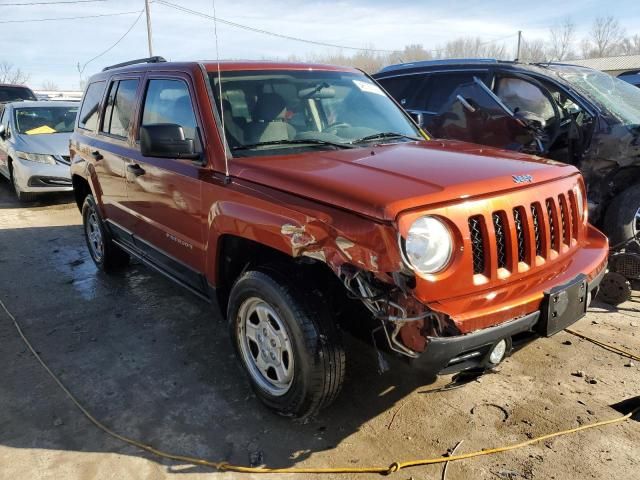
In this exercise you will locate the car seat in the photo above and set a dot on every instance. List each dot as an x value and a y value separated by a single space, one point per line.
269 124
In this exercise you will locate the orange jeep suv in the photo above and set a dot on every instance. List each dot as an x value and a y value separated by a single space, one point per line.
304 201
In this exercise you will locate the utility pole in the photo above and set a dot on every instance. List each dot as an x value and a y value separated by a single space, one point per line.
517 50
146 7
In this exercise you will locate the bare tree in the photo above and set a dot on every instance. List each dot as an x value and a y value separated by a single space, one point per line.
561 38
605 37
48 85
631 45
471 47
10 74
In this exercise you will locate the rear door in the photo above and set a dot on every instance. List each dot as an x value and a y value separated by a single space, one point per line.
164 194
114 146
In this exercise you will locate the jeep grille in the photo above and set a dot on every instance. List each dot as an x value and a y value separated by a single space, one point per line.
525 233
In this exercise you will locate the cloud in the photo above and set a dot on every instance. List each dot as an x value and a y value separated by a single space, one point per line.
51 50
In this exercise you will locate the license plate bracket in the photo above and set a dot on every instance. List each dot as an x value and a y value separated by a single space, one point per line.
564 305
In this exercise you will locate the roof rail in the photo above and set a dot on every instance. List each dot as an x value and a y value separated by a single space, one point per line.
134 62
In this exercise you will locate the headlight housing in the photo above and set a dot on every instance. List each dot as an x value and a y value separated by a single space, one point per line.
36 157
429 245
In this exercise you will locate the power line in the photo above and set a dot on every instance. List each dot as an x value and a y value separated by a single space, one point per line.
27 4
68 18
266 32
81 70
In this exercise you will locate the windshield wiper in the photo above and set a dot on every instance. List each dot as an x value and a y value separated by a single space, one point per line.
297 141
381 135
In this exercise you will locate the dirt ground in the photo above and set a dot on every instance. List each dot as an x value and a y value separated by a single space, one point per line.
153 362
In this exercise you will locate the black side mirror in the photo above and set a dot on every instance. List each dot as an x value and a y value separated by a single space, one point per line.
417 117
3 132
166 140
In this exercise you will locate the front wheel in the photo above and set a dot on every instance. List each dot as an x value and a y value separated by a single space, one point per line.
105 254
287 343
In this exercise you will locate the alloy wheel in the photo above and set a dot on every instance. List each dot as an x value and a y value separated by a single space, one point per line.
94 235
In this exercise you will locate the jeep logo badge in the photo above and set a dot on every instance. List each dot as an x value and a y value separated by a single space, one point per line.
522 178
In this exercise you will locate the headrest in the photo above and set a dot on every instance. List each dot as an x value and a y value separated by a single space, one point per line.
269 107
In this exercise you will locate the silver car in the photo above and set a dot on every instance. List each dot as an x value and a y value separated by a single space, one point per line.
34 146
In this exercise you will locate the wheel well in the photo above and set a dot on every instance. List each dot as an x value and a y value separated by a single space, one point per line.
237 254
80 190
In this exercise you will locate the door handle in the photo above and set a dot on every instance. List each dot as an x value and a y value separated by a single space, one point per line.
96 154
135 169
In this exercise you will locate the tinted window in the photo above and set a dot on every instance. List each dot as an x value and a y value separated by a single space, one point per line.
168 101
437 91
120 107
402 88
89 112
10 94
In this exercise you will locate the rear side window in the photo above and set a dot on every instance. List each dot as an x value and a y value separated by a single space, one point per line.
168 101
402 88
88 118
437 91
120 108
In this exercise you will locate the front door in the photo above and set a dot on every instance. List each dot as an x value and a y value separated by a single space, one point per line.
475 114
164 194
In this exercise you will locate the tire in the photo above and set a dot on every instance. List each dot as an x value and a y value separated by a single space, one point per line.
105 254
620 222
308 346
22 196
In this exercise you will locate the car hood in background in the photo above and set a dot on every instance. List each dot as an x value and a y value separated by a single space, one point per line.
46 143
382 181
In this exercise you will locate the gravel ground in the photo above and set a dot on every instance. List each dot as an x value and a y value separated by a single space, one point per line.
154 363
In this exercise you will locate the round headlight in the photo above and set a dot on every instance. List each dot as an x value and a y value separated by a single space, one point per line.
428 245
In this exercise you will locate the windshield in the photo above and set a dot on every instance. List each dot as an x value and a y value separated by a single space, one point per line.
12 94
292 110
43 120
620 99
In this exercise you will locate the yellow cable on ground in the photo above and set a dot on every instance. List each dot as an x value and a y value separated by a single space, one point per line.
224 466
606 346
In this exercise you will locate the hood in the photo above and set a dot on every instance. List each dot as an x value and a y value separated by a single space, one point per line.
46 143
382 181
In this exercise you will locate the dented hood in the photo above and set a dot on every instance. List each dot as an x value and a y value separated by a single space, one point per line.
384 180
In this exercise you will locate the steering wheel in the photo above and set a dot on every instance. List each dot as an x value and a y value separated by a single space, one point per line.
334 127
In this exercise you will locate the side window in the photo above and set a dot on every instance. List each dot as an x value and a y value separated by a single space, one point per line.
436 93
120 108
168 101
88 118
402 88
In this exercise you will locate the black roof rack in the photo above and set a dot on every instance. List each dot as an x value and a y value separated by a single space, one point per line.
133 62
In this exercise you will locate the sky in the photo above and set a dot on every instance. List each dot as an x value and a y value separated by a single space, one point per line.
50 51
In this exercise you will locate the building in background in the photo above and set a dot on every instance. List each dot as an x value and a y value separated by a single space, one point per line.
626 67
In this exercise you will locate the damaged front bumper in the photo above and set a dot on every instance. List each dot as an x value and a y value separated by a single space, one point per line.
462 352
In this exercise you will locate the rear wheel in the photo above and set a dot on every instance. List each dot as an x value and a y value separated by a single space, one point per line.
287 342
106 255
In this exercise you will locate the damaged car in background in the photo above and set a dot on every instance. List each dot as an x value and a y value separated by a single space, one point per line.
566 113
304 202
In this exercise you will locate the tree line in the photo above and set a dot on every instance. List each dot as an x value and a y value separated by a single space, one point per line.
606 37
